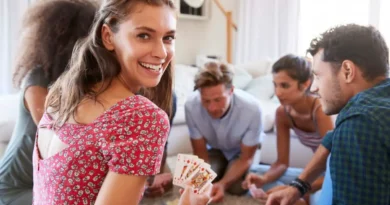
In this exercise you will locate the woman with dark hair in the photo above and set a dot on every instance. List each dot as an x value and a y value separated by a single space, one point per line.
49 33
98 140
299 111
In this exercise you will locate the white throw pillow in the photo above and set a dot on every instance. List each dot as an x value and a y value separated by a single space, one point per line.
241 77
268 110
261 87
258 68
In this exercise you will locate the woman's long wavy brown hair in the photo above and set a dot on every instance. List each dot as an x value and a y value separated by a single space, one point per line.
92 63
51 30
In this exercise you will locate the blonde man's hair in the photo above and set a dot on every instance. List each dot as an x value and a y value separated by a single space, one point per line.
213 74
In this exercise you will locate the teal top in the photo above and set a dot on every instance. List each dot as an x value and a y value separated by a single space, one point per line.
16 170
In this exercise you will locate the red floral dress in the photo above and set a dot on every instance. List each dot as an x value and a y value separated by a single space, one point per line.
128 138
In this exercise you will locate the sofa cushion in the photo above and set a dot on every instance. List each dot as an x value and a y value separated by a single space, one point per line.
268 109
257 68
261 87
9 114
299 155
179 140
241 77
183 86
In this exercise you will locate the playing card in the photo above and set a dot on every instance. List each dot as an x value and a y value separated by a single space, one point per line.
183 162
193 171
201 176
178 168
188 162
195 164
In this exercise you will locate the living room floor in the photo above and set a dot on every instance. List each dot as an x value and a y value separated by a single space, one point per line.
171 198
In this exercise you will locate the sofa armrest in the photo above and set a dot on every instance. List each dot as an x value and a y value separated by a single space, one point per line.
179 140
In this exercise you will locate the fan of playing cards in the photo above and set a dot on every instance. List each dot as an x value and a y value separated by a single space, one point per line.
194 171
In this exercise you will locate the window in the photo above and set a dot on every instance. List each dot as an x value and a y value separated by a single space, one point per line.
384 20
316 16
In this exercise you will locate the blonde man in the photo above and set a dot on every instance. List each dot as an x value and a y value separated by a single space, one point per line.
225 127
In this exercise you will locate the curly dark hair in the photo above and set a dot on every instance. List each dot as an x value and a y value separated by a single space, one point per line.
363 45
51 29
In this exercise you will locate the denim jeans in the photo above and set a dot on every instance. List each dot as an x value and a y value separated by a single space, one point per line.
285 179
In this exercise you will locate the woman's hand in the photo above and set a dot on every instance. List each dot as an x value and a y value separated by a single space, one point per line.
255 179
258 193
188 197
276 188
286 196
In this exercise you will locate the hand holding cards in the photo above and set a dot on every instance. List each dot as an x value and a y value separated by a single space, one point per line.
190 170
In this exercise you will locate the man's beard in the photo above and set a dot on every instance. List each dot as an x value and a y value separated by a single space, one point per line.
336 103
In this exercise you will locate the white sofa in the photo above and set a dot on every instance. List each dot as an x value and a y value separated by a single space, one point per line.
9 105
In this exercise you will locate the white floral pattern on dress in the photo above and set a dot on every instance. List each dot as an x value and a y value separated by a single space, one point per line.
128 138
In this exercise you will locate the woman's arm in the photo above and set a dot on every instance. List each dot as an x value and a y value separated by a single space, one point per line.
34 101
283 147
324 122
317 184
121 189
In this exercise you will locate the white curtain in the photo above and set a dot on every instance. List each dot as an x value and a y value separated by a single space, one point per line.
266 29
11 13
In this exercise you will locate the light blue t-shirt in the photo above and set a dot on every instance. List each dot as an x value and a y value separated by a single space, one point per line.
242 123
326 192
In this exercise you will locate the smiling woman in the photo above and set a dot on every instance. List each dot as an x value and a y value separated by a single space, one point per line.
98 141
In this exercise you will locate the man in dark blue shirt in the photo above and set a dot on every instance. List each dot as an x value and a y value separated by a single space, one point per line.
350 67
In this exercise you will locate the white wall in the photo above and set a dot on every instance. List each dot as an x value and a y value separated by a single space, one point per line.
205 36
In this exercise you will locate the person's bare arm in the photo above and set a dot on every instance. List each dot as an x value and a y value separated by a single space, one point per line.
121 189
34 100
200 148
317 184
325 124
164 158
316 166
283 147
240 166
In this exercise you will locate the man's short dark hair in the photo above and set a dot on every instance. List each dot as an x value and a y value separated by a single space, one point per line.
363 45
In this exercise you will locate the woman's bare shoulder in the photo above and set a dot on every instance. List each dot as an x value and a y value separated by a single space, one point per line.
281 116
